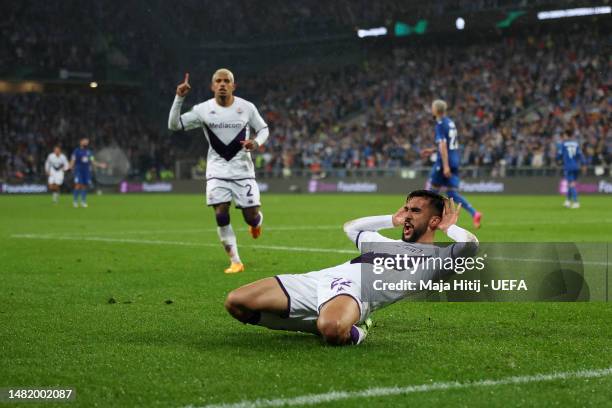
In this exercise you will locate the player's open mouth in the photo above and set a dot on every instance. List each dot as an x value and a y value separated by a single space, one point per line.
408 228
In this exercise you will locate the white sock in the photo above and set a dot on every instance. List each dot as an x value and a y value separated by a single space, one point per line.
55 196
228 239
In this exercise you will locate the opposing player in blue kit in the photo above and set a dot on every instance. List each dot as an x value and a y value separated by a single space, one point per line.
80 162
445 172
569 152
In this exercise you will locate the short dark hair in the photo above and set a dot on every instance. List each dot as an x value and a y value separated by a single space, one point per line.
435 200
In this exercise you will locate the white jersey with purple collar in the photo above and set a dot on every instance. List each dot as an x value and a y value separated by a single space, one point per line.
55 163
224 129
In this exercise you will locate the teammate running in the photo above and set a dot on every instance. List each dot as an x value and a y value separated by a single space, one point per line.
332 302
55 166
230 175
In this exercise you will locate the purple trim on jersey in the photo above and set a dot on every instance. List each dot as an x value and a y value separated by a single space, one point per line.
227 151
265 127
232 180
357 239
221 202
182 126
285 315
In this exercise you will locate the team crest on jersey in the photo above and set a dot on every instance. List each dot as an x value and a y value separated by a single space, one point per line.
239 110
212 112
340 284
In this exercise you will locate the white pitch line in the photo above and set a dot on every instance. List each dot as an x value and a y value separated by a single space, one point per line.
177 243
314 399
270 247
197 230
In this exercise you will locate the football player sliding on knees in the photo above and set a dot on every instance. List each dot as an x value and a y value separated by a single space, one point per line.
334 303
226 121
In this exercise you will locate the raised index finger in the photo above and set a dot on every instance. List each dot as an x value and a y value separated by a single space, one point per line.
186 78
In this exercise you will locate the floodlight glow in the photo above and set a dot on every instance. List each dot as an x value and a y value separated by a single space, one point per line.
460 23
372 32
575 12
93 84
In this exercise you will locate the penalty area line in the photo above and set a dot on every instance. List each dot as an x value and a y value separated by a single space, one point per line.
314 399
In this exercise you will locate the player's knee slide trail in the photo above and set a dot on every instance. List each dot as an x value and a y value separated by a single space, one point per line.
223 219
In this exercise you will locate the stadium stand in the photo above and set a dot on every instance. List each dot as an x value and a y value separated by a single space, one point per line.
324 118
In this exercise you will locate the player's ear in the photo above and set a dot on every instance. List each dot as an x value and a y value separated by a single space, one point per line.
434 222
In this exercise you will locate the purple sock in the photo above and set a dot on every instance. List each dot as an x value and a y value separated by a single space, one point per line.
354 335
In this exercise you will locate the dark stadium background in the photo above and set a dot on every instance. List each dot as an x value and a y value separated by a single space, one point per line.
337 105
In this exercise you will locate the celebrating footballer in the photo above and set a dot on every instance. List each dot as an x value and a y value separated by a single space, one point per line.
226 121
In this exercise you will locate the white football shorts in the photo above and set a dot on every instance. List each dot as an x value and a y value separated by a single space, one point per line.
56 177
245 193
308 292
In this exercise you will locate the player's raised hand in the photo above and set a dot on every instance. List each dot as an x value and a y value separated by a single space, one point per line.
249 144
183 88
399 218
450 215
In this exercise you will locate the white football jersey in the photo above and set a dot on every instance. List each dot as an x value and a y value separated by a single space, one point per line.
56 163
225 128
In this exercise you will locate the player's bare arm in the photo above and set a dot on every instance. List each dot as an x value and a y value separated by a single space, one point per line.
250 144
444 156
100 165
426 152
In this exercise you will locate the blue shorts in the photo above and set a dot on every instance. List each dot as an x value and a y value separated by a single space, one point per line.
570 175
437 177
82 177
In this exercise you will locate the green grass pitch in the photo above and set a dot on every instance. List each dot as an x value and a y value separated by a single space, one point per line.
60 267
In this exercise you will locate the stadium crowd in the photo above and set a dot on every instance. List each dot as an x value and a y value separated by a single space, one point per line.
31 124
510 100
